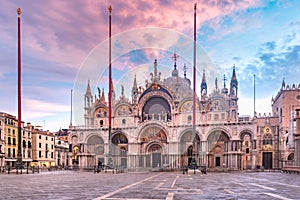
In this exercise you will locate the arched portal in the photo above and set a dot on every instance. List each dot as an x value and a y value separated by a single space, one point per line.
247 145
155 154
93 151
119 149
217 143
189 148
153 142
95 145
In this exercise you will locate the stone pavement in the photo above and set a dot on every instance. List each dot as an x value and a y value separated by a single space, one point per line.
150 185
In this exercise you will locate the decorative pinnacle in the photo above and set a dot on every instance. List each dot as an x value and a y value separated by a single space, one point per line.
109 8
19 12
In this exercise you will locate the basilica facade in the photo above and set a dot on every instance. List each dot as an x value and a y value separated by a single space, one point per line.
154 128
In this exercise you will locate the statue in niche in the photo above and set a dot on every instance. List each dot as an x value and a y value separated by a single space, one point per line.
122 90
99 92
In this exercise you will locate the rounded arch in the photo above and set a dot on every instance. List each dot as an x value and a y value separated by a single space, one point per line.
154 147
122 109
156 106
245 132
93 134
153 132
155 94
218 136
186 105
100 111
187 135
119 138
290 156
74 138
218 104
218 129
95 145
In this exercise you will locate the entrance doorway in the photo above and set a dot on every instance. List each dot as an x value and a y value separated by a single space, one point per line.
267 160
155 151
156 159
218 162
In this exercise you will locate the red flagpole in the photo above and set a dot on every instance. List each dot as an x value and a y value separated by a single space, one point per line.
110 85
19 67
19 154
194 76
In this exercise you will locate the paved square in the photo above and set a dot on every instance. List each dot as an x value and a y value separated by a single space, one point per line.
150 185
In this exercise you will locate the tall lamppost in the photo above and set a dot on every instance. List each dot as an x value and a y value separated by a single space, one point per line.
19 155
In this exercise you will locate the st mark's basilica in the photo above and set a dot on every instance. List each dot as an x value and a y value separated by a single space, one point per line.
153 128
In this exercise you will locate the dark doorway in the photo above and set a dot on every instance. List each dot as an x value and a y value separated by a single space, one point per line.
267 160
156 160
218 163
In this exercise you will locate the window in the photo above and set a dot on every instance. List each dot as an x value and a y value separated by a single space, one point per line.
14 132
216 117
51 139
101 123
46 147
29 153
123 121
46 155
40 154
24 144
51 154
51 146
29 134
298 97
223 115
8 131
247 150
46 138
23 133
29 144
8 152
189 119
40 137
267 139
40 145
9 141
14 153
14 141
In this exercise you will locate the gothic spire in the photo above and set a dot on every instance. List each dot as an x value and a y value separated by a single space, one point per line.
233 84
102 99
283 84
233 74
134 83
88 89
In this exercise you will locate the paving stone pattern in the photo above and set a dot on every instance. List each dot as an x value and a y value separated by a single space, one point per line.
150 185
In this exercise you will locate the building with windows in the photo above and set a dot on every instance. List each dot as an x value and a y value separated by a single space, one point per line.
10 130
153 128
61 152
27 145
2 141
43 148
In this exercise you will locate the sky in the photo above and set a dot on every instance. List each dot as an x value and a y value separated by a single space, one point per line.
65 44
